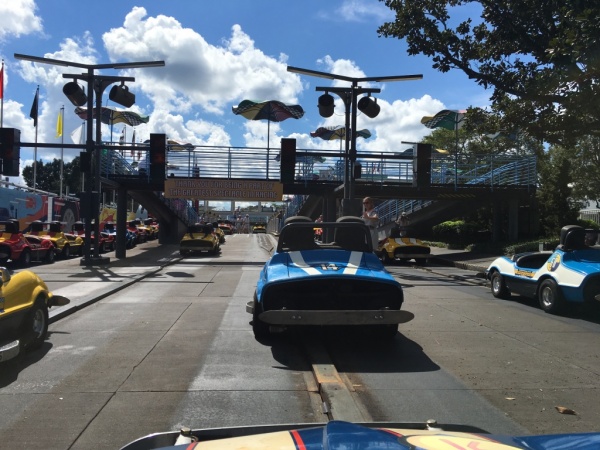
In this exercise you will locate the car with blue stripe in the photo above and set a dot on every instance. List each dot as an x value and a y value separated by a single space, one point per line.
337 280
569 275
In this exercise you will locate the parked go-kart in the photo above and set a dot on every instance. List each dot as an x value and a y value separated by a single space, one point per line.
24 303
569 275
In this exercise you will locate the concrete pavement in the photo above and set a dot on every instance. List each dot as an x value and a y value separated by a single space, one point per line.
84 285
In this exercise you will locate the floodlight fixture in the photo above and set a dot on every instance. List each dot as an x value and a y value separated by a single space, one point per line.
369 106
75 93
121 95
326 105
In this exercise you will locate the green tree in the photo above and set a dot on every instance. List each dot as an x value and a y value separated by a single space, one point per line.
586 169
556 204
540 57
47 176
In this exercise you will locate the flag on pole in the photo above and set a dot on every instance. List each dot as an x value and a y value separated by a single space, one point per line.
77 135
2 81
34 108
122 137
59 125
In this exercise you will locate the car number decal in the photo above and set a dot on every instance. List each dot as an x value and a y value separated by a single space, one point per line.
351 267
553 264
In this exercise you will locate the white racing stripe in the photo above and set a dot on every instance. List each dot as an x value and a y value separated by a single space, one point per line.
353 263
299 262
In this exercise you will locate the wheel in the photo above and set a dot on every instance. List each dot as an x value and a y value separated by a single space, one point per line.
385 257
260 329
102 247
422 261
66 252
25 258
50 256
499 289
550 297
35 327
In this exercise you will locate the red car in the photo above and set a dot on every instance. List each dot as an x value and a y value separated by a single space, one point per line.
23 249
107 240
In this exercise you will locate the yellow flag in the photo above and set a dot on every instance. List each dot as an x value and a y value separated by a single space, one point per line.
59 125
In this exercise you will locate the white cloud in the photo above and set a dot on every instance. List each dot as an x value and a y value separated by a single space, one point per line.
18 17
198 74
364 10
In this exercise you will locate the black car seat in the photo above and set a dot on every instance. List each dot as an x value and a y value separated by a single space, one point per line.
297 238
352 238
572 237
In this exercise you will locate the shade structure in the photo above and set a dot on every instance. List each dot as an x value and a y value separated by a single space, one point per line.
269 110
176 145
450 119
337 132
112 116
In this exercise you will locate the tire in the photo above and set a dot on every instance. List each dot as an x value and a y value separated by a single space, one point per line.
385 257
50 256
422 262
35 327
259 328
25 258
66 252
499 289
550 297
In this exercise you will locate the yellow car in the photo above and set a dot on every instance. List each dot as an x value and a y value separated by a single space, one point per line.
66 244
24 303
397 248
199 238
219 232
259 228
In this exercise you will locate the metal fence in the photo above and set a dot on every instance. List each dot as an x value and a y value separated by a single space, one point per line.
325 165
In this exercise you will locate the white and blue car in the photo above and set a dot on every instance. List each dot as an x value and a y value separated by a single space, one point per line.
335 281
568 275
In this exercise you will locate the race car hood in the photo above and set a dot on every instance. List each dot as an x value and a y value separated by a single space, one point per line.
300 264
338 435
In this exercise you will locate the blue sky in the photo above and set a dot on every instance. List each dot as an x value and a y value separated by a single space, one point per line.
218 54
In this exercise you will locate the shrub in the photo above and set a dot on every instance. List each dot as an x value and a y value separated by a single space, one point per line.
455 232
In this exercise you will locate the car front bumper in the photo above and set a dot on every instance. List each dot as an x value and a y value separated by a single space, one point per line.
332 317
9 350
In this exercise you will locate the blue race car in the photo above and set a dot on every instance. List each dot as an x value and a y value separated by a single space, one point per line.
336 281
569 275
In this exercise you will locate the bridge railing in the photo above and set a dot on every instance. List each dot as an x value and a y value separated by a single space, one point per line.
323 165
388 168
486 170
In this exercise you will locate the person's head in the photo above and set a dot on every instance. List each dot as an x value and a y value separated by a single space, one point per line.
368 203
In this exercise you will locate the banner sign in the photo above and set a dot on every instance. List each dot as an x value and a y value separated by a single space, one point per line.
223 189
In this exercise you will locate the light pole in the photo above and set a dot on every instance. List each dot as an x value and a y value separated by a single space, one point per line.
96 84
349 96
